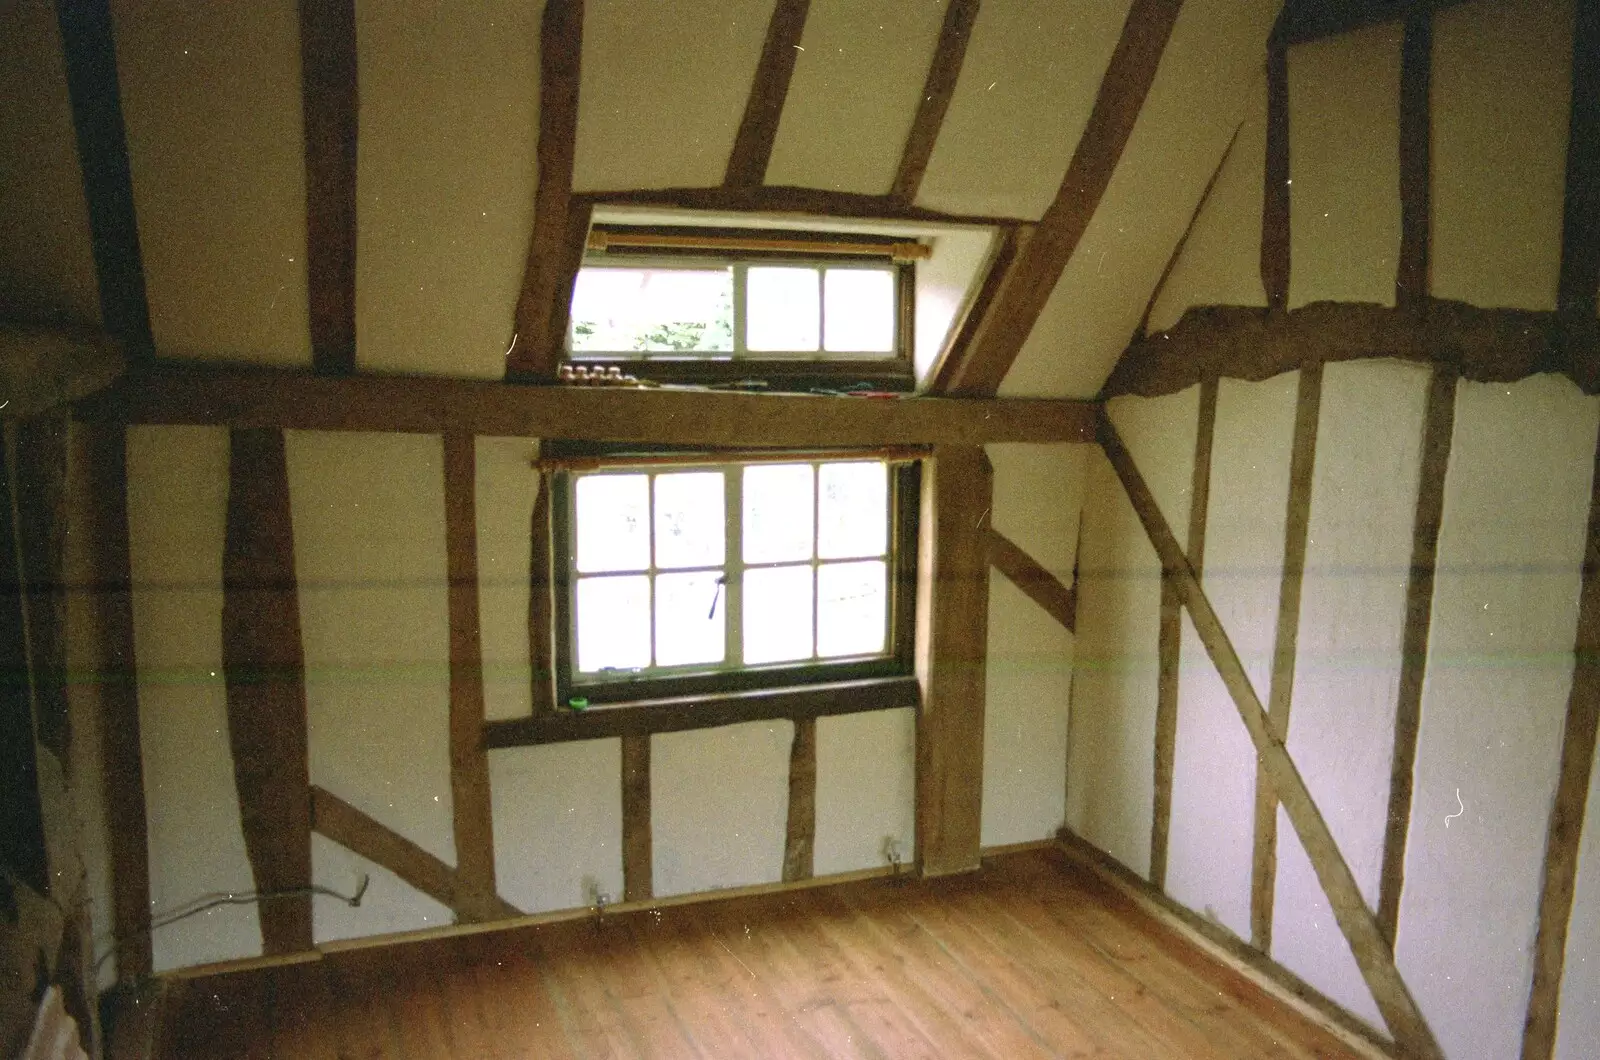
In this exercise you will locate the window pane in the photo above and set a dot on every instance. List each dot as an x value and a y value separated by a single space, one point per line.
852 608
613 623
652 310
777 513
690 615
777 614
689 522
853 519
612 522
860 310
782 308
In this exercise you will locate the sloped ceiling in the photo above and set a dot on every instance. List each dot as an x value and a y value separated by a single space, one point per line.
448 127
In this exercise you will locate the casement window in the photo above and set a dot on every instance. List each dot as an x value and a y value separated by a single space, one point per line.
691 575
795 310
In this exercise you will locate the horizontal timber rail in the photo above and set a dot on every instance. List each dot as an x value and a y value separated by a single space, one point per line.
241 397
1249 343
706 712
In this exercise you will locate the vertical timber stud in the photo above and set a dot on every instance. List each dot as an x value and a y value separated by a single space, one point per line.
953 620
1280 697
469 762
1416 70
1275 198
1170 633
1032 277
541 602
1579 280
533 356
937 91
1360 928
800 835
328 101
41 496
264 667
1567 813
1439 425
117 680
91 63
636 845
758 129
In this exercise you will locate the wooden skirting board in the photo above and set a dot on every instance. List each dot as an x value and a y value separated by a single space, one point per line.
1250 343
305 401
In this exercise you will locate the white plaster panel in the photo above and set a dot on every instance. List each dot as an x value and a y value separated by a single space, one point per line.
1112 722
1578 1029
662 90
866 790
389 906
719 803
1027 84
445 178
368 514
854 93
557 823
1493 704
46 266
1347 668
507 486
946 281
177 506
211 99
1344 166
1221 262
1207 71
1038 495
1214 765
1502 88
1029 679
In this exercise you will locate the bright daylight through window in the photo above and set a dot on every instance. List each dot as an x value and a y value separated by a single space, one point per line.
679 577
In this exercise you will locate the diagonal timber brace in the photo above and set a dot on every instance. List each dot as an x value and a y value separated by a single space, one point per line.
1356 920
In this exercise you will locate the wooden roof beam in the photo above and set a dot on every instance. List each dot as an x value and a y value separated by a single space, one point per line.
937 91
758 129
328 101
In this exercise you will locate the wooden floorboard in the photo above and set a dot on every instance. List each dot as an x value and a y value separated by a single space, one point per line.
1029 958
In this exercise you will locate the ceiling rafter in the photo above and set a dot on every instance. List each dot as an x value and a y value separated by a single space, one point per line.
328 84
1026 287
758 129
937 91
536 347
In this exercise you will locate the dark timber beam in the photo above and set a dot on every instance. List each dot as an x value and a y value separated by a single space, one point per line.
800 832
952 635
1036 582
1400 1012
1567 812
1308 20
758 129
306 401
1033 276
637 855
1276 188
328 96
1411 286
541 603
937 91
91 64
264 667
469 762
1580 226
786 199
533 353
1246 342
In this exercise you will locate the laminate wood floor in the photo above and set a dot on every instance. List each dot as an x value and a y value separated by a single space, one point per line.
1030 958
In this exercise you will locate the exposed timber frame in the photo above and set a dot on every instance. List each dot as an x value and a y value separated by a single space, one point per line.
1035 581
637 854
306 401
758 128
1031 278
329 103
937 91
469 762
91 67
1275 175
952 639
264 669
800 830
1170 639
542 603
1250 343
1360 927
1280 695
1437 432
1579 278
536 347
787 199
1567 812
335 819
1411 281
1309 20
